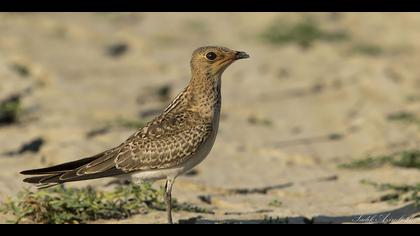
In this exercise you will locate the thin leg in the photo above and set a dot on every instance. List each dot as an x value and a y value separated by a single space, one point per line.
168 199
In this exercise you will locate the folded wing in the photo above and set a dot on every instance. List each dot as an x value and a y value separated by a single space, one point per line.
166 142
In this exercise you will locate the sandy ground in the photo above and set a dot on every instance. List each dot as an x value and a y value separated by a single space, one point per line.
75 87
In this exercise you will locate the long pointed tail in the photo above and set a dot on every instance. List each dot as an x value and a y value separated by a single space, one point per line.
66 172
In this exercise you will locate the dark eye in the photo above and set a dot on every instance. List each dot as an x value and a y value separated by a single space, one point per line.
211 56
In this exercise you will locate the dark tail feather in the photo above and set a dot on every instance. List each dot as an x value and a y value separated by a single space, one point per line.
66 172
59 168
36 179
53 179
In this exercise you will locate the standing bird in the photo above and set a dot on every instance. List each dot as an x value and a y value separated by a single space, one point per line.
167 146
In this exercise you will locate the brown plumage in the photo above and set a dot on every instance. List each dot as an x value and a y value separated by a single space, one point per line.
170 144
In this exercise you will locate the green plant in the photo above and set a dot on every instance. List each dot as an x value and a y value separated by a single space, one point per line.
275 203
60 205
196 25
303 32
406 193
404 116
406 159
412 98
10 109
274 220
21 69
367 49
367 163
190 208
254 120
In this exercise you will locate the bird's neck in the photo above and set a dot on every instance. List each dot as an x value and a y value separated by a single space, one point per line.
205 94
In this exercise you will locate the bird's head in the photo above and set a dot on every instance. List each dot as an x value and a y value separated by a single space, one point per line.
213 60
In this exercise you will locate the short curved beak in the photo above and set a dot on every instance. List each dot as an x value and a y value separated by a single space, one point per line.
241 55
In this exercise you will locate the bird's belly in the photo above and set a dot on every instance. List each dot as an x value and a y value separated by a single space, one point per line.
151 175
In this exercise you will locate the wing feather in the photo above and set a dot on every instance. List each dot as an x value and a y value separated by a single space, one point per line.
167 141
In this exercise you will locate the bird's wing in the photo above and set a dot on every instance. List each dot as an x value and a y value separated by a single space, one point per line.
165 142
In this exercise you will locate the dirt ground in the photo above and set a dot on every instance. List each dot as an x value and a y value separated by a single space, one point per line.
290 114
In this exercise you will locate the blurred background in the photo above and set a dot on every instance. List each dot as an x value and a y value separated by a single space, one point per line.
326 103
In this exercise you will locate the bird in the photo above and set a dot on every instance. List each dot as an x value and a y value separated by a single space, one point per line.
170 144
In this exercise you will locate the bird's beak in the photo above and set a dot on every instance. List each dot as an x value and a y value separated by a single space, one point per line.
241 55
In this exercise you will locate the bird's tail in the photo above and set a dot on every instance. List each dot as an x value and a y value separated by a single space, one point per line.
66 172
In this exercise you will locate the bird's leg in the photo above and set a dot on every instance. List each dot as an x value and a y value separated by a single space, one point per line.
168 199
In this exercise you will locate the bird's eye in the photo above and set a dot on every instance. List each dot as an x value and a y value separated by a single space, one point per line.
211 56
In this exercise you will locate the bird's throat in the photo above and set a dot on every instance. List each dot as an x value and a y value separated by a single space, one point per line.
205 95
